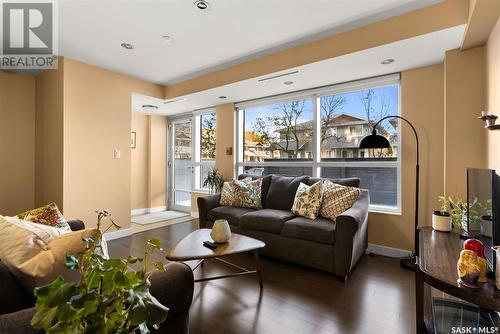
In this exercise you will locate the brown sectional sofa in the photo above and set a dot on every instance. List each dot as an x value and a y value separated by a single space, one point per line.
333 246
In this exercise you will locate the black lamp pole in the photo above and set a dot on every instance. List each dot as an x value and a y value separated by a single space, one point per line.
378 141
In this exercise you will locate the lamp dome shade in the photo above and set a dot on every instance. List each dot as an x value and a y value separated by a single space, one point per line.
374 141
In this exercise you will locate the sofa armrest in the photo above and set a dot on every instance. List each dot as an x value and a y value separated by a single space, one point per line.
76 225
174 289
351 234
205 204
18 322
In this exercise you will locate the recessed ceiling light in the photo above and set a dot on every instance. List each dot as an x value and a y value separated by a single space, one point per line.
166 38
223 97
387 61
288 82
202 4
127 46
149 108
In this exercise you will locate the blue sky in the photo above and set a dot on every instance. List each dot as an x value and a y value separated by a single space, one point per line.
353 106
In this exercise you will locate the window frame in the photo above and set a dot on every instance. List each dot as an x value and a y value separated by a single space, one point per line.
197 161
316 164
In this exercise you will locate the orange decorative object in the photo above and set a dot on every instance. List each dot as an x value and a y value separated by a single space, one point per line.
468 268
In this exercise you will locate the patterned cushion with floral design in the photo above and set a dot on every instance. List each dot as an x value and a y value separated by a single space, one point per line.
242 193
229 193
47 215
337 199
308 200
249 194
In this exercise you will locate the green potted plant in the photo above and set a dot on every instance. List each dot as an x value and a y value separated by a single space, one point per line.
458 209
213 181
109 298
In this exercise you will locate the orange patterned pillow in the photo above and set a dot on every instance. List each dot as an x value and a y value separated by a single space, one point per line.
47 215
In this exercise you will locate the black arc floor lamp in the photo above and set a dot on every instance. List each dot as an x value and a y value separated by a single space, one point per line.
377 141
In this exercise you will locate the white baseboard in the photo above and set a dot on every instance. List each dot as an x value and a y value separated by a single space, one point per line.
118 234
387 251
195 214
158 209
138 211
148 210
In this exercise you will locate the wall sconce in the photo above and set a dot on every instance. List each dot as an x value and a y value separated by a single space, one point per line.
489 120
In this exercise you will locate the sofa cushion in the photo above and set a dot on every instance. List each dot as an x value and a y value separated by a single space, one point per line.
347 181
230 213
337 199
320 230
282 191
265 220
47 215
266 182
244 194
308 200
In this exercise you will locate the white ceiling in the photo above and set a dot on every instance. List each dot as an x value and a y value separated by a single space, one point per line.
411 53
230 32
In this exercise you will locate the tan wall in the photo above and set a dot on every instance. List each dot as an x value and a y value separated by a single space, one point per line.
422 104
49 137
148 184
493 94
97 112
139 187
464 99
194 197
225 139
443 15
158 160
17 143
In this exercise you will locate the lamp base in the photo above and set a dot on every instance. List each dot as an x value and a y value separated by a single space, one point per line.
409 263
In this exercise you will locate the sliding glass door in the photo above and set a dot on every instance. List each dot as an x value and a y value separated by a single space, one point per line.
181 165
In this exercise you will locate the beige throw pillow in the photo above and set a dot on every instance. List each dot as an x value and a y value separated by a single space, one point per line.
307 200
36 258
337 199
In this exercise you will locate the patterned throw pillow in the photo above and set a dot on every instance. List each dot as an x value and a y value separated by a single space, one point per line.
249 194
337 199
229 193
308 200
242 193
48 215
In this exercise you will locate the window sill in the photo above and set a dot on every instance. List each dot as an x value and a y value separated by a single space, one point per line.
385 210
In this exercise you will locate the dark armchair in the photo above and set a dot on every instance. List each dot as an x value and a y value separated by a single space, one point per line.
173 288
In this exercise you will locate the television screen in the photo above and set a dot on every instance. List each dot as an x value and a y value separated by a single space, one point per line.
482 199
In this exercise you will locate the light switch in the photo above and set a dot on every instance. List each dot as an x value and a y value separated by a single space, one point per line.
117 153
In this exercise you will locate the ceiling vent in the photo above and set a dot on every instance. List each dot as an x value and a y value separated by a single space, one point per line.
175 100
278 76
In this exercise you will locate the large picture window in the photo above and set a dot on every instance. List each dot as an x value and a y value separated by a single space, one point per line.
317 133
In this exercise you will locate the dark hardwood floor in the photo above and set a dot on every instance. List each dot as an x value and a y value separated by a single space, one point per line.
377 298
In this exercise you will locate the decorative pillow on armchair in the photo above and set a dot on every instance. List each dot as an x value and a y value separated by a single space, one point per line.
47 215
242 193
337 199
308 200
35 253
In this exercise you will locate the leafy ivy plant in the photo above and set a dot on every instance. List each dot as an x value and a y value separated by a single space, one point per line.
109 298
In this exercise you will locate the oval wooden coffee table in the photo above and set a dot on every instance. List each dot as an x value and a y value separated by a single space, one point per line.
191 248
